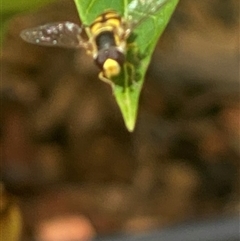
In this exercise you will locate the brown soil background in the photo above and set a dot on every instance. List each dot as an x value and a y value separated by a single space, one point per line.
65 149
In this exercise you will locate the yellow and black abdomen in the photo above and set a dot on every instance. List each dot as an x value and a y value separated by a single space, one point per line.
108 21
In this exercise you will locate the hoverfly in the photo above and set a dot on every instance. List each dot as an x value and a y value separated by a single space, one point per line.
107 35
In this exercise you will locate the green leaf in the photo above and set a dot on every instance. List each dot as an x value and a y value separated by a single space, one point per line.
23 5
127 86
11 7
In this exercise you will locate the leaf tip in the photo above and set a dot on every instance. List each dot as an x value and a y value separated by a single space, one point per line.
130 126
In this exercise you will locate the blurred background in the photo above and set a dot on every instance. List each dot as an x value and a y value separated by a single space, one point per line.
67 159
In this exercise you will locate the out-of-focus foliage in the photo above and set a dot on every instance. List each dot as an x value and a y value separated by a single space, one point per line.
10 8
10 217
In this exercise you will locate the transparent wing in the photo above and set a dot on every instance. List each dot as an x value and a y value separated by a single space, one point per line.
63 34
139 10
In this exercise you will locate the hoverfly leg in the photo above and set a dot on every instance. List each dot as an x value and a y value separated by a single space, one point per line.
127 33
132 72
103 78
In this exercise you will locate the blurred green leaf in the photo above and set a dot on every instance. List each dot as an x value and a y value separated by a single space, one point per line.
23 5
10 217
127 86
11 7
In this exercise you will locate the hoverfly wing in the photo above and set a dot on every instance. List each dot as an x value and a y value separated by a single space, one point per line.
62 34
140 10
